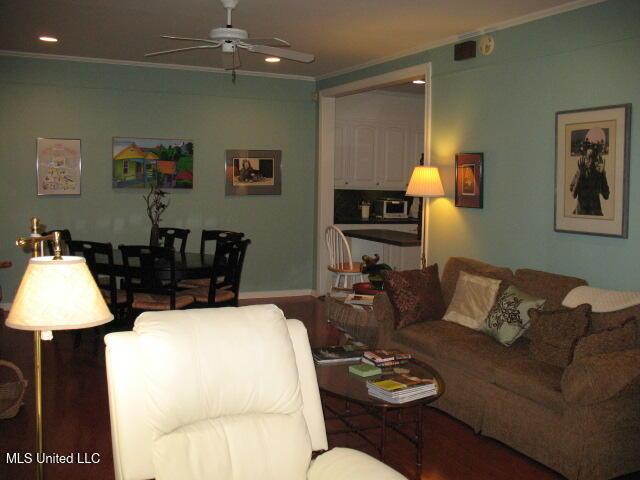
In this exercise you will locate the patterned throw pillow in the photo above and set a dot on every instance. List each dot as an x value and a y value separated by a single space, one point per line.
472 300
416 295
554 334
509 316
616 339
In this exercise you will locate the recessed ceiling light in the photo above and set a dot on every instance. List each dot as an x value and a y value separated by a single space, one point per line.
419 82
48 38
272 59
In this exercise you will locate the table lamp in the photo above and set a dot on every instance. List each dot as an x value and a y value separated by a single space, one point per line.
425 183
55 293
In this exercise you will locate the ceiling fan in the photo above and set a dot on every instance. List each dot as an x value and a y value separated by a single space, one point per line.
232 40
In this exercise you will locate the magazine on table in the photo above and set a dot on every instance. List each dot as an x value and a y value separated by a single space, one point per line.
337 355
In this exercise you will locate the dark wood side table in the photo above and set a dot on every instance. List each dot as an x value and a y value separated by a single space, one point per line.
335 381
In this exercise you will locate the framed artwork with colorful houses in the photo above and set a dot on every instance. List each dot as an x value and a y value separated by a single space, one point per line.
146 162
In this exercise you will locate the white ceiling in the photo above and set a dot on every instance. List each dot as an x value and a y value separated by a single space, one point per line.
341 33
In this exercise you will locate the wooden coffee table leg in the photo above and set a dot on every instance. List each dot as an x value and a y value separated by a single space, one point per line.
419 439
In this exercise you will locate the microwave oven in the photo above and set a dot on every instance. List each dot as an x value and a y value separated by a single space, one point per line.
387 208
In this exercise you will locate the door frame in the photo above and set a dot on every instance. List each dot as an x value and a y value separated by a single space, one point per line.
326 149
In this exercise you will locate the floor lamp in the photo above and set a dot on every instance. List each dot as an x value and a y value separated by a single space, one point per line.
55 293
425 183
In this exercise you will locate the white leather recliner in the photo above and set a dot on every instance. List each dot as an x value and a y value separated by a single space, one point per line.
222 394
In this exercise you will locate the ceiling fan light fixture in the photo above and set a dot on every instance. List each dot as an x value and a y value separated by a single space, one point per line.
47 38
419 81
272 59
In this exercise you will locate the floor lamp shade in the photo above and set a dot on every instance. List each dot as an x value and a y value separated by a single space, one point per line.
57 295
425 182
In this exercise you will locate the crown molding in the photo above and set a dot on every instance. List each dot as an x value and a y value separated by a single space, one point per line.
530 17
168 66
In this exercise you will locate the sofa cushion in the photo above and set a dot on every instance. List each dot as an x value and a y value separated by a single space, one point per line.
415 295
472 300
554 334
537 381
550 286
598 378
608 320
509 316
455 265
479 355
616 339
432 337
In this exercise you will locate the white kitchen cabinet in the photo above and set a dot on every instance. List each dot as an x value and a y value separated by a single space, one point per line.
375 156
341 159
415 148
364 142
391 162
378 140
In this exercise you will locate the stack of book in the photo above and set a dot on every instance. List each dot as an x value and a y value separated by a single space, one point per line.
359 300
338 355
402 388
385 358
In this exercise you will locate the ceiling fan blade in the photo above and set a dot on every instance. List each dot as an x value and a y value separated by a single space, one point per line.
282 53
164 52
171 37
272 42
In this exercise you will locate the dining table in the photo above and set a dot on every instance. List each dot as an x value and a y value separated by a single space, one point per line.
188 265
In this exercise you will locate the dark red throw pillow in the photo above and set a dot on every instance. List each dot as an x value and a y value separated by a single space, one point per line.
416 295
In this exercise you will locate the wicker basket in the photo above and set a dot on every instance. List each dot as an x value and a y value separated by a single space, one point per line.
12 393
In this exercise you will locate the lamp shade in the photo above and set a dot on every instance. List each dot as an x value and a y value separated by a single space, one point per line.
425 182
57 295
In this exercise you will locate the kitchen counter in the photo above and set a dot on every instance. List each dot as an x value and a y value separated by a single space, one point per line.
373 221
390 237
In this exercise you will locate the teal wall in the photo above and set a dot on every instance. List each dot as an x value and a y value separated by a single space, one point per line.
504 105
94 102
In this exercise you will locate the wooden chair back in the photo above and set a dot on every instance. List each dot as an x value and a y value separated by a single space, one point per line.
168 236
227 264
217 236
99 257
149 270
338 247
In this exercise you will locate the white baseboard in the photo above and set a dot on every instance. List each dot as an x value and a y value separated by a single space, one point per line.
276 293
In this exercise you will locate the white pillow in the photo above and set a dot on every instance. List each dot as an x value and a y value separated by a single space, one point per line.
472 300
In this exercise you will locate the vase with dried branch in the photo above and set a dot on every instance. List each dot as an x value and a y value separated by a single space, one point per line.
157 203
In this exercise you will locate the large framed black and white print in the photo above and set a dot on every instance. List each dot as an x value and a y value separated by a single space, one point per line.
592 171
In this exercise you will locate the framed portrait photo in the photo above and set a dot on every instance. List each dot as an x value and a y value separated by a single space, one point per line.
253 172
592 171
469 180
58 166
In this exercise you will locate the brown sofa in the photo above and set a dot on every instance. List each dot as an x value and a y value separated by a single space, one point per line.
583 421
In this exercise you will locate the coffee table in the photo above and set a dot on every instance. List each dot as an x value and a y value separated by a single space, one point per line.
335 381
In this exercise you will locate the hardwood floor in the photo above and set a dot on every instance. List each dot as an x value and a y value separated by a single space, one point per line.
76 415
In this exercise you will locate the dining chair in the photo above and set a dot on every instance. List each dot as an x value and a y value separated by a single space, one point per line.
65 236
150 279
340 261
99 258
217 236
207 237
224 283
168 236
